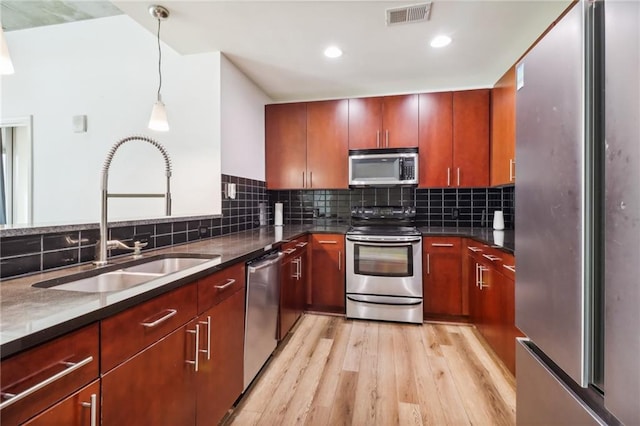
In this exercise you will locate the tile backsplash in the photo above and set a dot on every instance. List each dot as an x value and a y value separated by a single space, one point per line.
24 254
467 207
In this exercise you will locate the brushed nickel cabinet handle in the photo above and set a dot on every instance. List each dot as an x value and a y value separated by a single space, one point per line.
171 312
377 138
208 324
491 257
310 179
481 270
327 242
510 268
195 362
303 179
71 367
477 280
387 138
303 244
441 245
512 175
474 249
448 176
289 251
428 264
93 405
229 282
458 176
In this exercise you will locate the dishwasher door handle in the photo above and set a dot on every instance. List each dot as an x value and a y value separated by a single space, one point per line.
266 263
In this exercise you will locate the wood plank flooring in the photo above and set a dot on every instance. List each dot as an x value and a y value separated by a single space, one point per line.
334 371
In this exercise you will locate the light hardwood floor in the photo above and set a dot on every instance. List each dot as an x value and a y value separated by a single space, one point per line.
334 371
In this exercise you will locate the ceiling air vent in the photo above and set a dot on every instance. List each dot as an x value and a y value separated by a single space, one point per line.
408 14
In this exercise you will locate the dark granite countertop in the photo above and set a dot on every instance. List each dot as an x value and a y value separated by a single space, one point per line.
30 316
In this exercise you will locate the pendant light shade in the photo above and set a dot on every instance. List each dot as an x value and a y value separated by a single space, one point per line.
6 66
158 120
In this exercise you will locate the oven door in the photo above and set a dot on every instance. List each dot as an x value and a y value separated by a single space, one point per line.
384 265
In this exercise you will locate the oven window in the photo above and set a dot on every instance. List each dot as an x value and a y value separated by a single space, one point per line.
383 261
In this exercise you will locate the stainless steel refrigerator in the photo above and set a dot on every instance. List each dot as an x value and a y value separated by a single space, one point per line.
578 219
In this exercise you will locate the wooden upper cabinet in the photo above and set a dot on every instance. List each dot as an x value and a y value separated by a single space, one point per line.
503 129
286 145
471 138
400 121
365 123
436 139
383 122
327 144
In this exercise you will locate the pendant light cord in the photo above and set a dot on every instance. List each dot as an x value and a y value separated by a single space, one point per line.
159 61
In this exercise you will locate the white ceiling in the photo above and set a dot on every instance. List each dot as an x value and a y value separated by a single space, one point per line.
279 44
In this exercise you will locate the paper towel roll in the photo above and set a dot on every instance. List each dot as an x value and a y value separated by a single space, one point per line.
498 238
278 214
498 220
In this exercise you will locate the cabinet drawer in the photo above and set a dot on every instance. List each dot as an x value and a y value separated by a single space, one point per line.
328 241
441 245
130 331
218 286
48 373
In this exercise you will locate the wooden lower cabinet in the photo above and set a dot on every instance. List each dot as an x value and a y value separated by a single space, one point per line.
327 273
75 410
442 276
220 373
156 386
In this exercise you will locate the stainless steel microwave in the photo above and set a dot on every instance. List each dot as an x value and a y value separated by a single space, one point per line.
383 167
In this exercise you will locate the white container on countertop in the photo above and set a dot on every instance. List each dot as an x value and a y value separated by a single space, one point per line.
278 214
498 220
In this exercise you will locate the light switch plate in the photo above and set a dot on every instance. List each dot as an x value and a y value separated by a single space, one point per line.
79 123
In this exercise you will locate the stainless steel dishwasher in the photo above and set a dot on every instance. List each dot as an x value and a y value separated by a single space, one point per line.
261 321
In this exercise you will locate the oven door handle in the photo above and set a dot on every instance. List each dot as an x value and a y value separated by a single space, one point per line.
386 244
364 299
384 241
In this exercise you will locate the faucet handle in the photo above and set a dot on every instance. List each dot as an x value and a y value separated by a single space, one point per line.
138 246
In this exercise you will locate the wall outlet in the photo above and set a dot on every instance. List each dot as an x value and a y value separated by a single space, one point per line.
455 213
203 231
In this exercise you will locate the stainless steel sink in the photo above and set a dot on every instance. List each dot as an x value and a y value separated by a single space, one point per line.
110 281
126 275
165 266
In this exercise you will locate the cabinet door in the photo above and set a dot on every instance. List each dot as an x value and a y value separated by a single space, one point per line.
288 282
503 129
491 309
301 285
436 139
400 121
219 379
155 387
471 138
75 410
327 273
286 145
508 323
442 276
328 144
365 123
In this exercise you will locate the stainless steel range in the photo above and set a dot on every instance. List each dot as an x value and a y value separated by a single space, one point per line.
384 265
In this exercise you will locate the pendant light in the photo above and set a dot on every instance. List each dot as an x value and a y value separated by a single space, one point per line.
158 119
6 66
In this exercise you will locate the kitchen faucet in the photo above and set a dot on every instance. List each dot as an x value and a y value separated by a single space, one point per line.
104 243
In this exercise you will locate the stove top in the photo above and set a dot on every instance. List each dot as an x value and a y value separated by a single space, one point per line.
383 220
384 230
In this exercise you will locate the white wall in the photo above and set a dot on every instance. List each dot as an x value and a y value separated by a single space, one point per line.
107 69
242 121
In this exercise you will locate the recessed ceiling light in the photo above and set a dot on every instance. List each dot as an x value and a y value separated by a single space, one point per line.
440 41
332 52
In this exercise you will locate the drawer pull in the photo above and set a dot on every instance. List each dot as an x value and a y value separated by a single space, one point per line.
301 244
441 245
511 268
208 324
93 405
195 362
474 249
13 398
289 251
327 242
491 257
229 282
170 313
